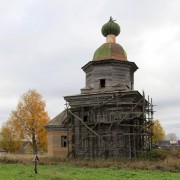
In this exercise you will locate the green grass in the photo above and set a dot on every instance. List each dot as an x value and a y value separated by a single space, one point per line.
23 172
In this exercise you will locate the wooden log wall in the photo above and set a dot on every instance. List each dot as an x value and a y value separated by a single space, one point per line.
99 132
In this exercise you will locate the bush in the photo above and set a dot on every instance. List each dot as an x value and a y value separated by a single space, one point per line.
153 155
175 153
6 160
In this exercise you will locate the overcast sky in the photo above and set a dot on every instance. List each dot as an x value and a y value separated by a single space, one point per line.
44 44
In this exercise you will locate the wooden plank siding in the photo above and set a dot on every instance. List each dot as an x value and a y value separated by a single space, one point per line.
117 74
54 142
114 140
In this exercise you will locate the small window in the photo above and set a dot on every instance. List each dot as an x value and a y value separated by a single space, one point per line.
85 118
63 141
102 83
132 86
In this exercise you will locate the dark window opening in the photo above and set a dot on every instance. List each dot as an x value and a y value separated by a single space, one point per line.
85 118
63 141
132 86
102 83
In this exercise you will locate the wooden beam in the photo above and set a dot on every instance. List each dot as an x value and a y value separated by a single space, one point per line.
129 112
83 123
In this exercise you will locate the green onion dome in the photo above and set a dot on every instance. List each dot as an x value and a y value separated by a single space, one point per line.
110 49
110 28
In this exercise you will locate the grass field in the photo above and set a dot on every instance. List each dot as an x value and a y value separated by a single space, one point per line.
23 172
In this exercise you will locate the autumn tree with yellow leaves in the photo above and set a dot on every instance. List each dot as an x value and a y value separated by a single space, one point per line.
10 138
158 131
30 118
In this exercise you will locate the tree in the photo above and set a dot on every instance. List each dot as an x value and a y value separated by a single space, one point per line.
171 137
30 118
158 131
10 139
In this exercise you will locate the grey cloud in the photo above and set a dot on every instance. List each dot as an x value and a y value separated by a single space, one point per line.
44 44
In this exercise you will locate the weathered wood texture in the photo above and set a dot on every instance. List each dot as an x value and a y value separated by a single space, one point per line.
109 125
118 75
108 119
54 142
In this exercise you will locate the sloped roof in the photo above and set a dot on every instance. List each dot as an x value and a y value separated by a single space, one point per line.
2 150
110 51
58 120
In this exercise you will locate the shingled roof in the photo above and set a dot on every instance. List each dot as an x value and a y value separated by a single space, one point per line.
58 120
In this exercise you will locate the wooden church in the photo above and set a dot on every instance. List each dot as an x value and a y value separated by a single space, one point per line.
109 119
